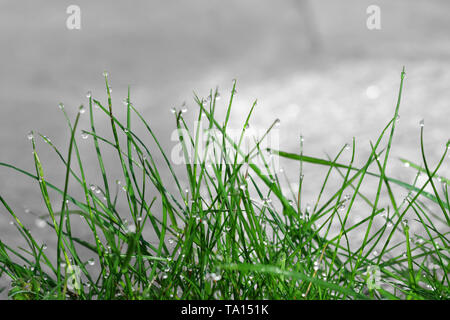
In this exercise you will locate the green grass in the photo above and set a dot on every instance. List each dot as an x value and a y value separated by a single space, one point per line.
231 231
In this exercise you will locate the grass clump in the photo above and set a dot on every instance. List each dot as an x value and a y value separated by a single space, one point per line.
231 231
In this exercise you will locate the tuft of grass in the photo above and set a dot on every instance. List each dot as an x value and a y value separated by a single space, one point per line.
227 229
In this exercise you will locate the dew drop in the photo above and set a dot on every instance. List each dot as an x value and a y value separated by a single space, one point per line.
316 265
173 110
91 262
105 74
171 240
184 108
88 94
422 123
406 164
40 223
405 223
277 122
84 135
61 105
131 228
30 135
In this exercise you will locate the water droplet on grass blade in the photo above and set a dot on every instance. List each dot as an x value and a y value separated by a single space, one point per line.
91 262
277 122
184 108
131 228
84 135
422 123
88 94
82 110
105 73
61 106
30 135
316 265
405 223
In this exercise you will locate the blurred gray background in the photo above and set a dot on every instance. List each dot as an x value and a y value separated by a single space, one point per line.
313 64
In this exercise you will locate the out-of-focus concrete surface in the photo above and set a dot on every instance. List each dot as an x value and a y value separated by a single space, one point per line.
312 64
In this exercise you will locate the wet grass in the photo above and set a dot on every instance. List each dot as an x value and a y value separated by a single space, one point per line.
227 229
